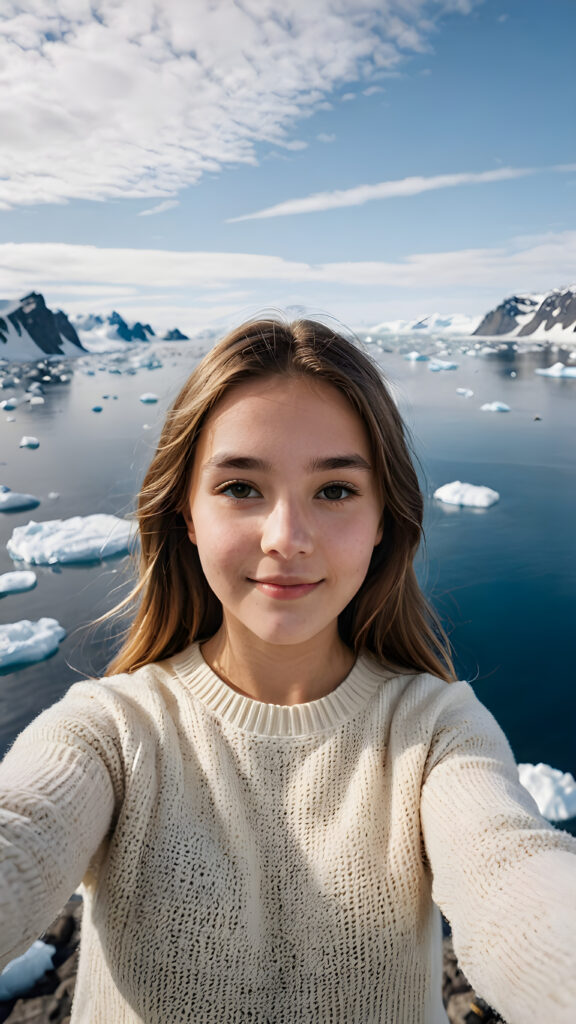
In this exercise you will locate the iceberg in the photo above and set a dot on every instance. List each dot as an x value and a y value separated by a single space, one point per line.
558 370
465 392
79 539
148 398
473 495
21 974
11 501
17 582
441 364
416 357
495 407
29 442
26 641
554 791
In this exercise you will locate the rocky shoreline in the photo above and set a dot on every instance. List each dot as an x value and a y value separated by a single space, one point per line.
50 1001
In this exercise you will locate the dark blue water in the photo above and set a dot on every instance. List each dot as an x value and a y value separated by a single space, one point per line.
504 579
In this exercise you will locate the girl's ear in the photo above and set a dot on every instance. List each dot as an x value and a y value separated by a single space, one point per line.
189 525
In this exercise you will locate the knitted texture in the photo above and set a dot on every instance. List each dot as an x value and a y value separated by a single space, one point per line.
246 862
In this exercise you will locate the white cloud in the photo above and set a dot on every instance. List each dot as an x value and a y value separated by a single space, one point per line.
104 99
372 90
528 263
348 96
168 204
399 188
325 137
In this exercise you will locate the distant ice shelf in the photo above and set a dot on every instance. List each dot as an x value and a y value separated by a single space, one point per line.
27 641
79 539
473 495
554 791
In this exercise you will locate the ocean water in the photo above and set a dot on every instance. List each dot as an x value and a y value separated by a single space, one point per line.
503 579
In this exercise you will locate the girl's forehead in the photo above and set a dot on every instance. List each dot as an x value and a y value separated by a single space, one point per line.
283 411
284 403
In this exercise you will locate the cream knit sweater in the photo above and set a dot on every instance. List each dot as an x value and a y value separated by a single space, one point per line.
245 862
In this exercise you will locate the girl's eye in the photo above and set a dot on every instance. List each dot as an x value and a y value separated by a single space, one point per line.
239 491
336 492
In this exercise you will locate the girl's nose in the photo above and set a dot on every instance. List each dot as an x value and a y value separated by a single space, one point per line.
287 531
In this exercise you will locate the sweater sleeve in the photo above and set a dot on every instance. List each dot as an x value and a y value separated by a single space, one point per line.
59 785
504 878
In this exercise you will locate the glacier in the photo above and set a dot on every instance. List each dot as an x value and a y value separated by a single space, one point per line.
78 539
554 791
17 582
473 495
27 641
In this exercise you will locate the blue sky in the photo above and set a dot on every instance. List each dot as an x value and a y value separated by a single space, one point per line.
195 163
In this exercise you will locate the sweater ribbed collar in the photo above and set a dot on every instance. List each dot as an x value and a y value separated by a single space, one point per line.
263 719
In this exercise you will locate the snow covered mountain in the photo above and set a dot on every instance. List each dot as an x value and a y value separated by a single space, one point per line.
105 333
435 323
29 330
550 316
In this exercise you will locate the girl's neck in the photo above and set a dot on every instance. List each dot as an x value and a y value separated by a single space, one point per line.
278 674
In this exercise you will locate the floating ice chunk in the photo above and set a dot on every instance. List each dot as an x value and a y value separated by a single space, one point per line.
495 407
79 539
558 370
17 582
36 400
148 398
554 791
10 419
457 493
26 641
96 408
465 392
416 357
8 404
21 974
29 442
10 501
441 364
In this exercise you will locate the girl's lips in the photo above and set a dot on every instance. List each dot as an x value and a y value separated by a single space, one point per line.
285 591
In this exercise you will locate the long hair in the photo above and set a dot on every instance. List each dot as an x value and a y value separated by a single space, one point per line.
389 616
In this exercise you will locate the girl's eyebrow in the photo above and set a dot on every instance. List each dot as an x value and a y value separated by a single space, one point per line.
224 460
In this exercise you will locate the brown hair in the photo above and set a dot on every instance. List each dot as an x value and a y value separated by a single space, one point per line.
389 616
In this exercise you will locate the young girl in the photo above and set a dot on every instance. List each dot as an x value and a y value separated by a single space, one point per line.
279 784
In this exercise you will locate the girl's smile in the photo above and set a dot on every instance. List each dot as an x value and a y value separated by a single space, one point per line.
284 509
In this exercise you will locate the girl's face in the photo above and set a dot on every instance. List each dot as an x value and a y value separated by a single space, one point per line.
284 508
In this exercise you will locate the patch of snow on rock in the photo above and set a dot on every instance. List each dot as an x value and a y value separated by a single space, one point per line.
79 539
473 495
26 641
554 791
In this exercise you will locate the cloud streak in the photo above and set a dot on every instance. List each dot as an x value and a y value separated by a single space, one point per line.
399 188
105 100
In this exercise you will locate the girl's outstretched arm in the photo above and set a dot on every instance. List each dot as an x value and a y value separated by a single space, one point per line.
504 877
57 801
